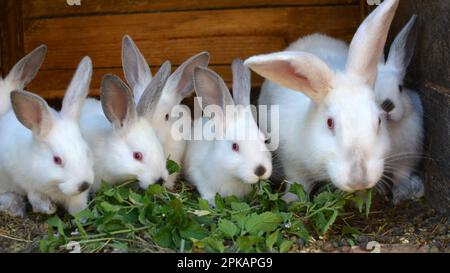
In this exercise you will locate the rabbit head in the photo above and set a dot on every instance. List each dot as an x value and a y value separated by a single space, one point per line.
20 75
344 122
389 85
59 148
240 143
135 151
178 86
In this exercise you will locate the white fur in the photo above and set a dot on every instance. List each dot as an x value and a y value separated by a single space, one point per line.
27 157
178 86
320 78
212 165
20 76
405 121
113 146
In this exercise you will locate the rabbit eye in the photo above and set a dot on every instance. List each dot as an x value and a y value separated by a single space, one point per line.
138 156
379 124
330 123
167 116
57 160
235 147
400 87
267 141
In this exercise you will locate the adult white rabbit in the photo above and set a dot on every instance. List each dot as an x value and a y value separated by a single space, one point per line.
120 134
42 152
404 116
20 76
178 86
227 164
330 123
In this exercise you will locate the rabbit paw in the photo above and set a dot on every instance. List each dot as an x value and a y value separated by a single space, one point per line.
408 189
77 203
41 204
13 204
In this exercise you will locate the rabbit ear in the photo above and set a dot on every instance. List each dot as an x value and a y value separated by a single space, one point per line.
26 69
297 70
402 49
33 112
135 67
241 83
78 90
368 43
211 88
150 98
117 102
180 83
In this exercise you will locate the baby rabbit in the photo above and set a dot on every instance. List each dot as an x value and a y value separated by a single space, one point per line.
42 152
123 141
330 123
178 86
231 163
20 76
403 114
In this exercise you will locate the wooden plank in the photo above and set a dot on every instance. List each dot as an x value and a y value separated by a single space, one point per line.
11 34
226 34
58 8
52 83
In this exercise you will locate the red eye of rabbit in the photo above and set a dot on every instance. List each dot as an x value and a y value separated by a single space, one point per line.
138 156
330 123
235 147
57 160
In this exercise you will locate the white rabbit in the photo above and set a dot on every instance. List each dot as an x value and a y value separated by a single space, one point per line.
330 124
123 141
42 152
178 86
231 163
404 116
20 76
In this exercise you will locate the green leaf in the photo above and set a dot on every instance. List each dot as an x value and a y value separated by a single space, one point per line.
272 239
155 189
298 190
201 213
238 206
285 246
214 244
194 230
107 207
368 201
330 222
265 222
55 221
228 228
219 202
203 204
359 202
246 243
172 166
163 237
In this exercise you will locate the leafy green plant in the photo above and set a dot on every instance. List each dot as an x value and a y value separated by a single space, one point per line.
123 219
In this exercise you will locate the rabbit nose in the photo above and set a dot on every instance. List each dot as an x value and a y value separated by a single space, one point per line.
160 181
84 186
388 105
260 171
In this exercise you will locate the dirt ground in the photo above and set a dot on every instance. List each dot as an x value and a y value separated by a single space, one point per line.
410 227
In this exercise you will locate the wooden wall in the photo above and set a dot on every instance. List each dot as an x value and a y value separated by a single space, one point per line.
166 29
429 74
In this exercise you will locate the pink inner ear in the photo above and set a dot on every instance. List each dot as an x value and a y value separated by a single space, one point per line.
290 78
